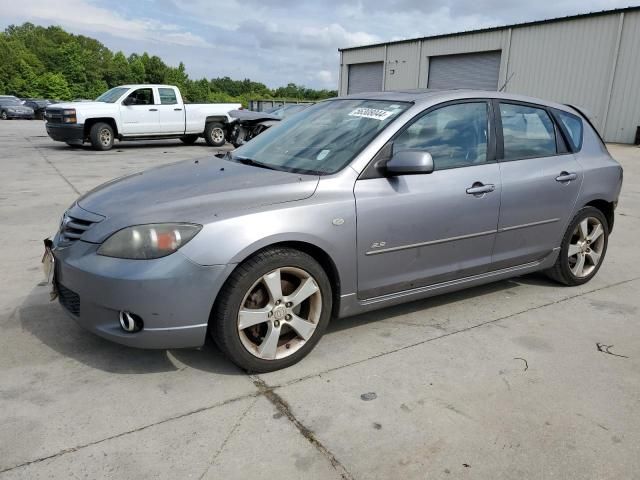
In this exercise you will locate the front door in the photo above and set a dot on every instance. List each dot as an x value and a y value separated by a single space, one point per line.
417 230
139 113
540 184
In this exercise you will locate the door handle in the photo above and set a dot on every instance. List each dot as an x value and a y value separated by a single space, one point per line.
479 188
566 177
153 109
177 109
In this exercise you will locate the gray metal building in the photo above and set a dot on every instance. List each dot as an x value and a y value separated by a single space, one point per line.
590 60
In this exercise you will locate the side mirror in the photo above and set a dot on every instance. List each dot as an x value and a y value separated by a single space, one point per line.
128 101
409 162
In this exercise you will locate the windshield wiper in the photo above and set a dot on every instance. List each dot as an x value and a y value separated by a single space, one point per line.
252 162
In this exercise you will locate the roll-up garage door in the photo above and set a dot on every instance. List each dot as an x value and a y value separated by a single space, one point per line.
478 71
365 77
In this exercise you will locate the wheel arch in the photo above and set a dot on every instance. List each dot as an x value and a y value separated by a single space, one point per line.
314 251
607 208
90 122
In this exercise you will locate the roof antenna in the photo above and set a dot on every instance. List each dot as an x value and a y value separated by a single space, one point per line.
504 85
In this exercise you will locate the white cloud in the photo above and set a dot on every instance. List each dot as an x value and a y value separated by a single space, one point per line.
81 16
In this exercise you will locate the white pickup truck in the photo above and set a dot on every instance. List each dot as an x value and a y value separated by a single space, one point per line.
138 112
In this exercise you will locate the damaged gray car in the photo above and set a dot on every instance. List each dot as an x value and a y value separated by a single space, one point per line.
354 204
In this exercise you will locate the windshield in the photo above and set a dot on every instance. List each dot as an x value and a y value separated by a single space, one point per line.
111 96
10 101
323 138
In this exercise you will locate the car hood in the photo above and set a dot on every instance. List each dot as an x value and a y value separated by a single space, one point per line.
194 191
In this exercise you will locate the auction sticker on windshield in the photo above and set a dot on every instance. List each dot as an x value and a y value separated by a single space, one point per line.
374 113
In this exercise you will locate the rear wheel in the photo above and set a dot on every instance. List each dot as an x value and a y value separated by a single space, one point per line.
189 139
101 136
583 248
273 310
214 134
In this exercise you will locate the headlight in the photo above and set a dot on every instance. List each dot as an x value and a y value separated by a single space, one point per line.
144 242
13 110
69 115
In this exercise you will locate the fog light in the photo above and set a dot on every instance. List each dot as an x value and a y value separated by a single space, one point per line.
130 322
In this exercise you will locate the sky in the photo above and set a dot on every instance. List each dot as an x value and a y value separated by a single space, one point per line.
275 42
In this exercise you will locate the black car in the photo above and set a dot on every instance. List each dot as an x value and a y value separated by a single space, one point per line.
38 105
12 107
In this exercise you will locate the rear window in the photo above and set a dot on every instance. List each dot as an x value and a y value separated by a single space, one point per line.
528 132
573 125
167 96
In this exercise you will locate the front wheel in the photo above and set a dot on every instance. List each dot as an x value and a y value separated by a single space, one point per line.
273 310
583 248
214 134
4 115
101 136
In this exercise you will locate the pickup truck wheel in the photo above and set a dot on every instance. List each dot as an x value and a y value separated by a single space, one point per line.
101 136
214 134
272 310
189 139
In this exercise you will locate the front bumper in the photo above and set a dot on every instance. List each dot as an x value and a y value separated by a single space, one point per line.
172 295
26 115
69 133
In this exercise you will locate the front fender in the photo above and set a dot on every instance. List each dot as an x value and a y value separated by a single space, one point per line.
329 226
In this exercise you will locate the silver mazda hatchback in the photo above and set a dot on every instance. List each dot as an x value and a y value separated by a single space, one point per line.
353 204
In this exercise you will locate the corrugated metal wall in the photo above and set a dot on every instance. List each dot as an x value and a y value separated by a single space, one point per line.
591 61
624 108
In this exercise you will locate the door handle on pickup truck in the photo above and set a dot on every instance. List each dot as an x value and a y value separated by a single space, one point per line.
177 109
153 109
479 188
566 177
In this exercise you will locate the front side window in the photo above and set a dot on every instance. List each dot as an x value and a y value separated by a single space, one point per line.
528 132
455 135
112 96
323 138
141 96
573 126
167 96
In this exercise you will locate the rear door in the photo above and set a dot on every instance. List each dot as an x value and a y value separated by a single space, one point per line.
171 111
139 113
540 179
418 230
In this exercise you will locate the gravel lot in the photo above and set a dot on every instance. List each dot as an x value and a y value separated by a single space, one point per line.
501 381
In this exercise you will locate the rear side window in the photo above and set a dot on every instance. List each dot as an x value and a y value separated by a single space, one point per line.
573 125
168 96
455 135
528 132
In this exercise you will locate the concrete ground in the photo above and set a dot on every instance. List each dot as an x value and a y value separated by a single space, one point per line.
501 381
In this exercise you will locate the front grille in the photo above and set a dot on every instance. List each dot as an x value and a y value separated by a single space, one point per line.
69 299
72 228
53 115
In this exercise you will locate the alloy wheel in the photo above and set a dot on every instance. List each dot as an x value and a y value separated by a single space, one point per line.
586 247
217 135
279 313
105 137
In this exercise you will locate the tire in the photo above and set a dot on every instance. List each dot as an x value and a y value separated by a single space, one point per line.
101 136
214 134
274 319
588 250
4 115
189 139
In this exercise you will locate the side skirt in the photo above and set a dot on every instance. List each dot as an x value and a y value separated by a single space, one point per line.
351 305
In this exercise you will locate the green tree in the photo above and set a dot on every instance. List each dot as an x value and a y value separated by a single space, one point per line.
53 86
